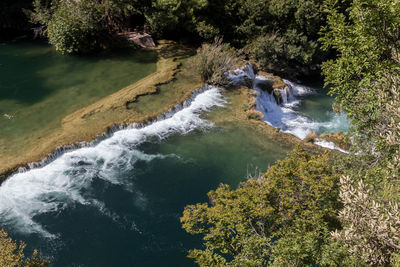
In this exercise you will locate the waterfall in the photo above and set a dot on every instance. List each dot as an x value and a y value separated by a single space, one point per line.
59 151
280 106
68 179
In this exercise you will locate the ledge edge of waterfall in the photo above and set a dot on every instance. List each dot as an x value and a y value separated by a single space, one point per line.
60 150
277 103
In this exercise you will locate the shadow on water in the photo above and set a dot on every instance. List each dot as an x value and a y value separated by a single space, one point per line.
39 87
31 71
18 72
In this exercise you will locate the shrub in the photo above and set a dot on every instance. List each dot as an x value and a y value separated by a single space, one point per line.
75 27
290 52
371 228
213 63
282 218
254 114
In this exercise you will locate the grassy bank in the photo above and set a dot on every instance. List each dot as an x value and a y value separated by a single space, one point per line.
129 105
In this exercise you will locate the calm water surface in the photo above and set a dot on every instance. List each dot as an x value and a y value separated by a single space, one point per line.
39 87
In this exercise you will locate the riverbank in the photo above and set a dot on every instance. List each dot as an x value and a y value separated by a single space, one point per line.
123 107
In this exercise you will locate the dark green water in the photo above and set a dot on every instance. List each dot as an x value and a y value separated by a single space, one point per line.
129 215
38 86
118 203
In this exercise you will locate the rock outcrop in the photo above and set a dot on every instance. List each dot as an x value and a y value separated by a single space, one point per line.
142 39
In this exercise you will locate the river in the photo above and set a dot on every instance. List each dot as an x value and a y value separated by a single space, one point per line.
118 203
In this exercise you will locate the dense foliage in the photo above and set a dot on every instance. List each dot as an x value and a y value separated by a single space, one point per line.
284 217
282 35
243 227
12 254
13 21
366 38
82 26
367 86
306 210
287 42
366 82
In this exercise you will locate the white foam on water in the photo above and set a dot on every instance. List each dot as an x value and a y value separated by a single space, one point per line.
330 145
242 74
66 180
292 121
284 115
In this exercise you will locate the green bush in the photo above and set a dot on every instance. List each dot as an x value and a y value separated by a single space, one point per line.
213 63
75 27
291 52
83 26
12 254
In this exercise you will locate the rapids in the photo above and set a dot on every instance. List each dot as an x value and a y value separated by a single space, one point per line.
62 182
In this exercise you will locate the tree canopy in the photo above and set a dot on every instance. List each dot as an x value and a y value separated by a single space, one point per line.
307 210
284 217
281 35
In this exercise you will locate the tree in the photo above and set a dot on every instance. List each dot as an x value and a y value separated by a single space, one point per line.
365 37
84 26
284 217
372 230
287 42
12 254
12 20
290 53
174 17
366 83
75 27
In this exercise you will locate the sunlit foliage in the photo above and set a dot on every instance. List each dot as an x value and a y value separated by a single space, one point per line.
12 254
282 217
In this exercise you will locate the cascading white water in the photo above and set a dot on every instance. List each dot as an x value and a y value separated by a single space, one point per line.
285 115
68 179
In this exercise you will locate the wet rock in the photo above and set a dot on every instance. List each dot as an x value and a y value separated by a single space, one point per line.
265 85
254 114
281 95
